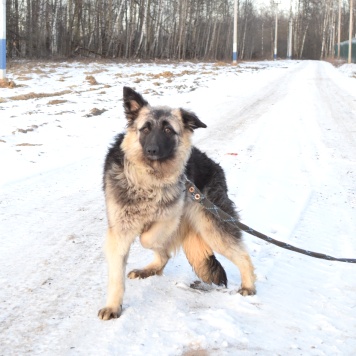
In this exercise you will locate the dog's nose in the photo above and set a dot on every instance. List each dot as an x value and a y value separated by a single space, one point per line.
152 150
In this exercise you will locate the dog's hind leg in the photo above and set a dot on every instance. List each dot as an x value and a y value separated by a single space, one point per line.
235 251
240 257
202 259
117 250
227 245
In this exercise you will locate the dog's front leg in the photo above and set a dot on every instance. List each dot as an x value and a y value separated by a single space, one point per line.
116 250
158 238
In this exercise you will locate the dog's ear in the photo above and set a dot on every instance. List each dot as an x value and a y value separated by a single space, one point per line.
190 120
133 103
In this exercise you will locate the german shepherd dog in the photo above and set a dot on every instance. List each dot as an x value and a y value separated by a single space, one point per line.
144 183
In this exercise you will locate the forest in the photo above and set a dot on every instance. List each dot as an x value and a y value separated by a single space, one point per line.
173 29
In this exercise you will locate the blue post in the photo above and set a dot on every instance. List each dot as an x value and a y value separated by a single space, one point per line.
2 39
234 57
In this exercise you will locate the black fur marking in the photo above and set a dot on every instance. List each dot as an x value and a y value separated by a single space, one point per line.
115 155
190 120
209 177
133 103
159 113
158 144
217 272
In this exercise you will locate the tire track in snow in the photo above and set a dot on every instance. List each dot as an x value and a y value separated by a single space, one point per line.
294 181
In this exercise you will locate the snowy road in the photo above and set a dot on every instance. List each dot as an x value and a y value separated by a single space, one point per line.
285 133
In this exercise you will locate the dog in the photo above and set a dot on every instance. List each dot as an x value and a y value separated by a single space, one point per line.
144 179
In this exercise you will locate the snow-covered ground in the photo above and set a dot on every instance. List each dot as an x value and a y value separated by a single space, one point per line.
285 133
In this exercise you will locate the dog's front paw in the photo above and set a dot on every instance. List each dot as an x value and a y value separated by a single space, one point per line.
247 291
108 313
142 273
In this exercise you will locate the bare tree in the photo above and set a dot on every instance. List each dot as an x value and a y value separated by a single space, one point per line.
177 29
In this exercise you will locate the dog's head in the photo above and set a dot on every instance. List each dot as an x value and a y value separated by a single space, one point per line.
159 130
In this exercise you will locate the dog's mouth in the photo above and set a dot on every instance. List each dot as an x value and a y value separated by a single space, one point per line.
153 157
158 158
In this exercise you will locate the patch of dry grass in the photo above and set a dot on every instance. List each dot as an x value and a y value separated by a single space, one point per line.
222 64
28 129
95 112
33 95
29 144
91 80
57 101
96 71
4 83
166 74
23 78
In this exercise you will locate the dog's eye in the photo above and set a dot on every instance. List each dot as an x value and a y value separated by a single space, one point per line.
167 130
145 130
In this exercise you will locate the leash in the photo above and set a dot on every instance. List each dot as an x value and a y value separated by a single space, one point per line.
195 194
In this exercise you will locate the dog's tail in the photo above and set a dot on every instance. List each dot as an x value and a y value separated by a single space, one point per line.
202 259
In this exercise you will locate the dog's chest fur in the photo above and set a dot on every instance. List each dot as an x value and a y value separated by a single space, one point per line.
138 195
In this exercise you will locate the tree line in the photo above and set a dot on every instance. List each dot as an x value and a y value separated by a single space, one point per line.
171 29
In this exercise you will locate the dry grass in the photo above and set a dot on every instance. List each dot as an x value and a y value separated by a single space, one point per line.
39 95
4 83
91 80
37 71
336 62
29 144
57 101
199 352
23 78
95 112
222 64
97 71
131 75
29 129
165 74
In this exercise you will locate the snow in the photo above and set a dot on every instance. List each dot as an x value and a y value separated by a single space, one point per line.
285 133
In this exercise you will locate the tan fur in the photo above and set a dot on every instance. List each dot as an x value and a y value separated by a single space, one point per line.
221 243
197 252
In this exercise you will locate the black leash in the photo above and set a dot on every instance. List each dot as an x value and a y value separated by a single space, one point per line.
198 197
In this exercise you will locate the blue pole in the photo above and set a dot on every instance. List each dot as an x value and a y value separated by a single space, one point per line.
2 39
234 57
